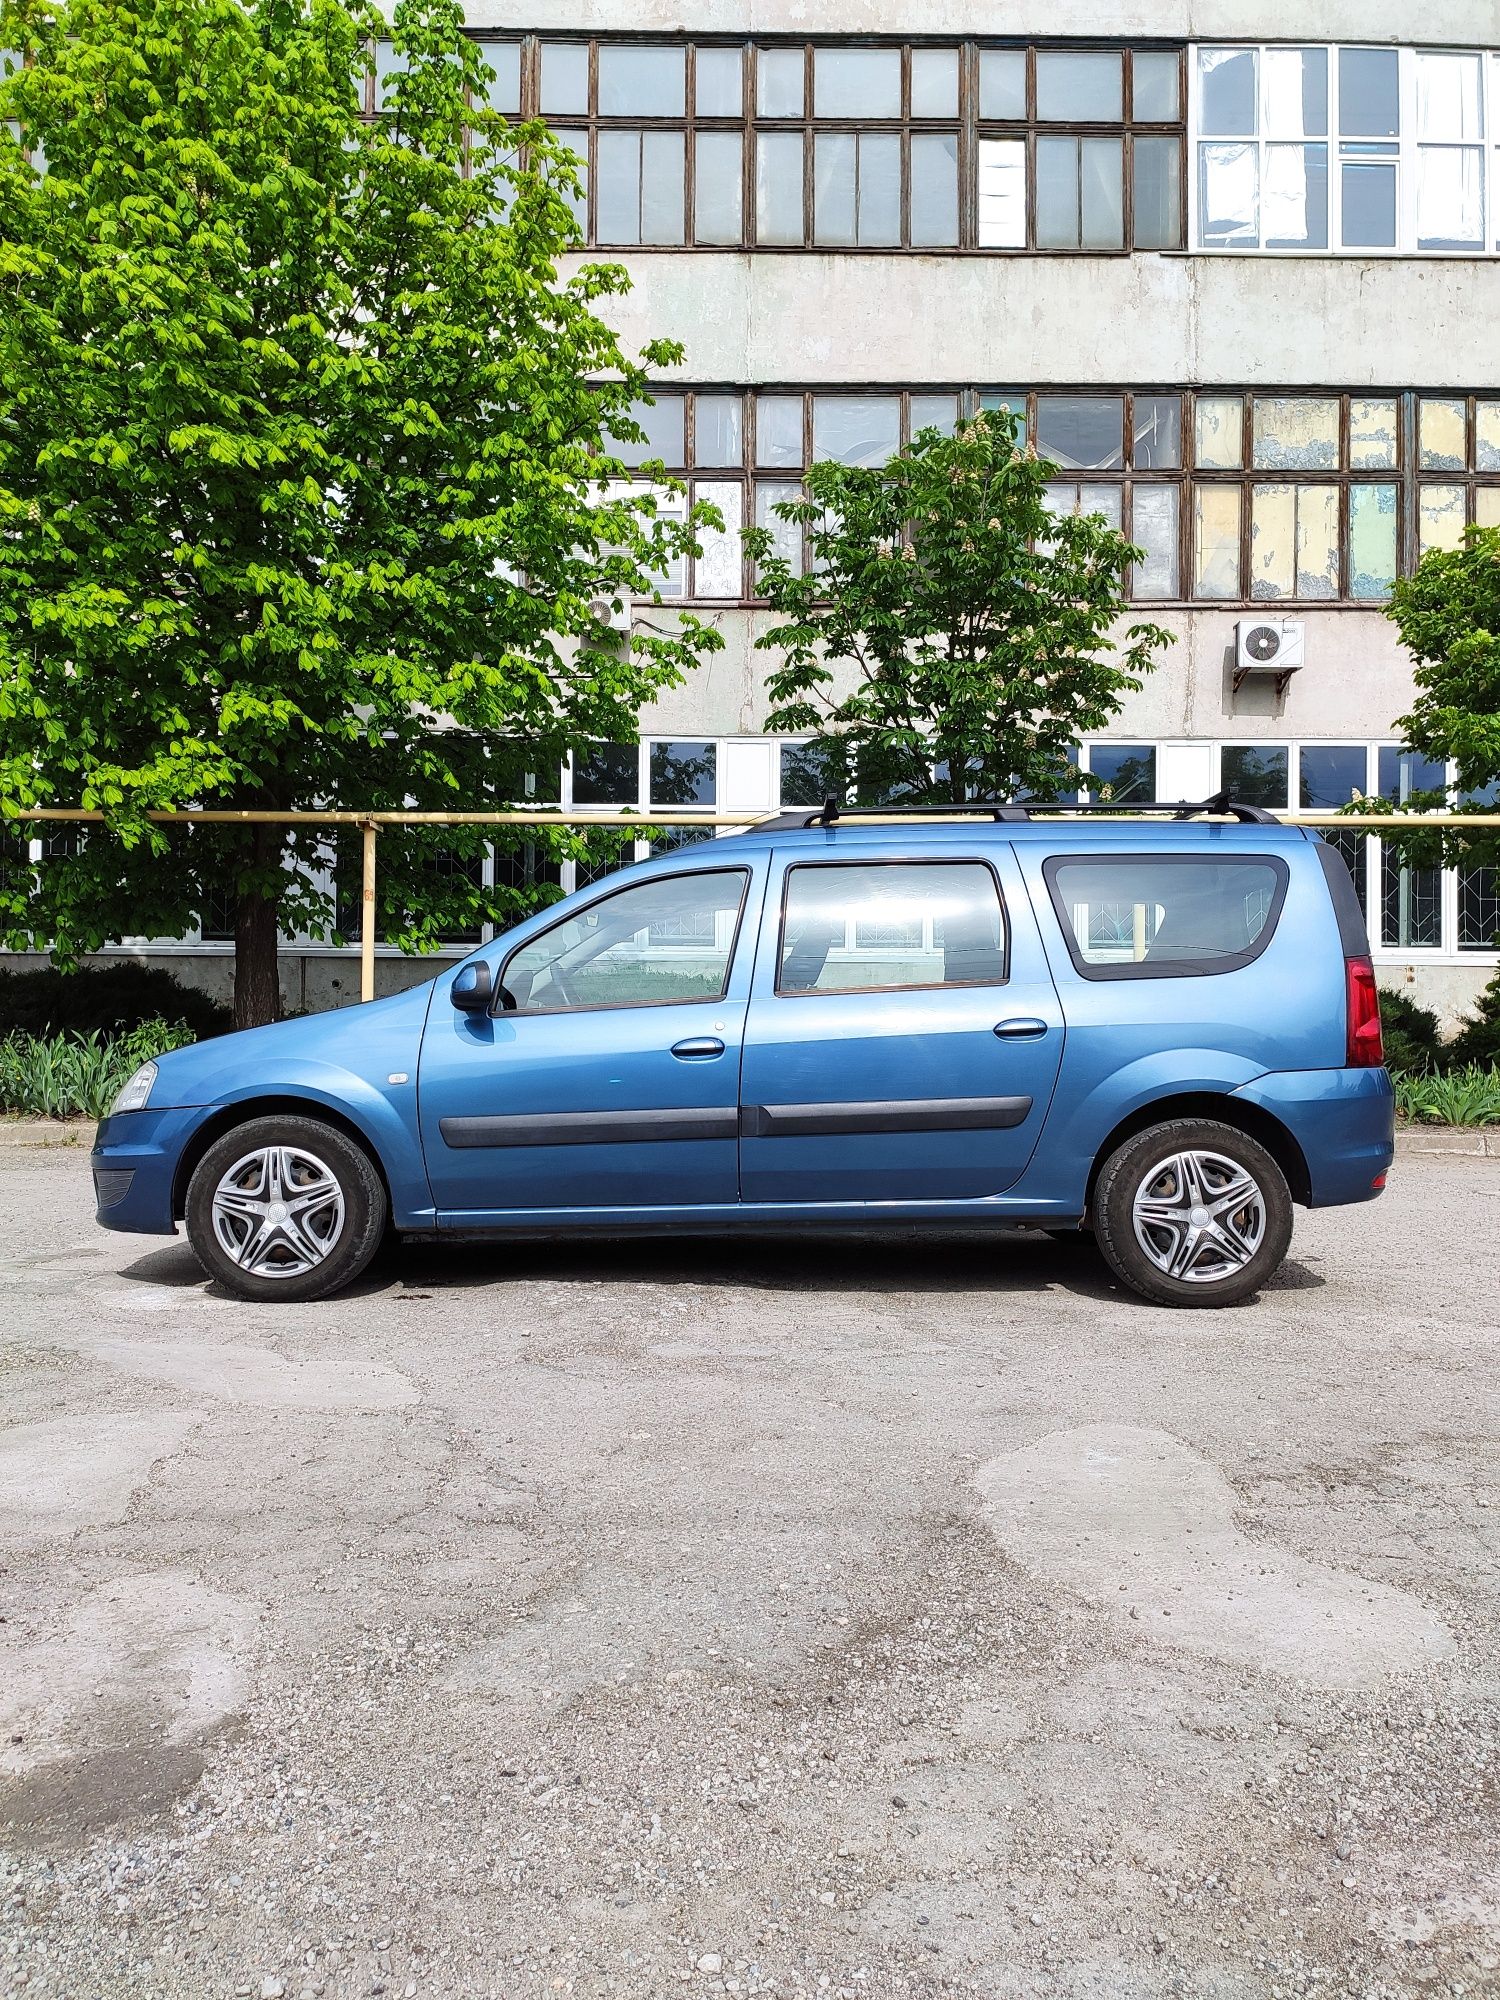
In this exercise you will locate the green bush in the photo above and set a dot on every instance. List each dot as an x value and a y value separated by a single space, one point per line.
1413 1044
1478 1040
78 1076
106 998
1462 1097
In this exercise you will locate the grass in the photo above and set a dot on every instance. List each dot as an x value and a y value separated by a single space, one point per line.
1460 1097
78 1075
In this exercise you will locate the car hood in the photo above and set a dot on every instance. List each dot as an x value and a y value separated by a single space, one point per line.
360 1040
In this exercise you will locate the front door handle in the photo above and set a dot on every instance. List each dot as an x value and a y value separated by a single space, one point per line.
1020 1029
698 1048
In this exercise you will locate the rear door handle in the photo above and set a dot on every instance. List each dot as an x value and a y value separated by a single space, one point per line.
698 1048
1020 1029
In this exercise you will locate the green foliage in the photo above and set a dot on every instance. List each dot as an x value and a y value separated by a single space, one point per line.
1468 1096
78 1076
115 997
950 638
305 445
1478 1038
1413 1039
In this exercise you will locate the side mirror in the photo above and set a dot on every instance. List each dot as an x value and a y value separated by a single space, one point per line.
472 988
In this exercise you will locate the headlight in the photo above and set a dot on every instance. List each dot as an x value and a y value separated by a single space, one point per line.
137 1093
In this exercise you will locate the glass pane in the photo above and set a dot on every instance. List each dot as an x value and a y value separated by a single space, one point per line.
1057 221
1294 545
1157 422
862 929
1487 437
1228 196
807 773
1478 908
718 430
1369 197
778 187
937 413
1002 83
662 187
1153 527
1373 431
835 187
1257 774
1296 88
720 87
719 571
1400 773
1179 911
1100 187
1443 434
1106 501
719 194
1216 541
856 83
1220 433
1450 96
607 774
577 143
1121 771
664 424
1442 518
778 431
617 211
1295 215
1296 433
1369 94
934 83
1372 540
780 82
1410 903
684 774
856 430
934 188
565 76
879 188
1157 165
1002 194
1331 774
641 82
651 945
504 92
1083 431
786 536
1487 507
1077 85
1450 201
1227 91
1153 83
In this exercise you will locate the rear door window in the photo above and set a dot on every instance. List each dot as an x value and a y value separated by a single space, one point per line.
1165 916
852 927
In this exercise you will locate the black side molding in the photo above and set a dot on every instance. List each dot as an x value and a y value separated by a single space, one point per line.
589 1128
929 1114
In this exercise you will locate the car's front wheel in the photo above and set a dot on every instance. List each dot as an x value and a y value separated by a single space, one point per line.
1192 1213
285 1208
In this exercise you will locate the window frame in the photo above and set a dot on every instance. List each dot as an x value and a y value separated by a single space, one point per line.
1167 968
892 861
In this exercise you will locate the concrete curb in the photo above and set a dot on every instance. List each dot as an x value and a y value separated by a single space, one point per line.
47 1131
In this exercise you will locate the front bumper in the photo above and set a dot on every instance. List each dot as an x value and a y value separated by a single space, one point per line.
1344 1120
134 1163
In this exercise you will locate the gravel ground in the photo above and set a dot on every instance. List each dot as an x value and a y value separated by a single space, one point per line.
855 1619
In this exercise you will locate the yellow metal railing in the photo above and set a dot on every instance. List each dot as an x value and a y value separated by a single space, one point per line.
370 824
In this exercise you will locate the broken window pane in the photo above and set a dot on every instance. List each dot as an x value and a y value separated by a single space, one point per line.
1002 83
1296 433
718 188
718 430
786 536
1220 433
1257 774
1002 194
856 83
1296 92
778 187
934 83
1157 166
1369 197
1085 431
1295 202
1442 517
1228 196
938 413
778 430
720 87
1450 197
718 571
780 80
1372 433
934 188
1154 86
565 76
1153 527
640 82
1487 437
1074 84
1216 541
1227 91
1372 540
1158 431
1294 541
856 430
1443 435
1369 94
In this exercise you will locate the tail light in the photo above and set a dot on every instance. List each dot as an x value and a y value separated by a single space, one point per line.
1366 1050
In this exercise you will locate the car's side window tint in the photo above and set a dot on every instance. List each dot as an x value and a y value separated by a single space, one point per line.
657 942
1152 916
851 927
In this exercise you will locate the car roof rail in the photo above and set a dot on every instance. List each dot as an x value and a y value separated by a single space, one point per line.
833 811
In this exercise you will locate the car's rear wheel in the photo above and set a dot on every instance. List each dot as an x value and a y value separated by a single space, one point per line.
1192 1212
285 1208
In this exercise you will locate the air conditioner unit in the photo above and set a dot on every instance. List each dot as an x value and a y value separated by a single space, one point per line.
613 614
1269 646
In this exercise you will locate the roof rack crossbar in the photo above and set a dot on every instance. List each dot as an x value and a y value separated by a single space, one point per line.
834 810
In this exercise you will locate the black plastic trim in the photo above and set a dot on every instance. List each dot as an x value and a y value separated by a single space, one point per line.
590 1128
1353 936
932 1114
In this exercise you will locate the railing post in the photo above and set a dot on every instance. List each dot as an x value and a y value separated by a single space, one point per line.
367 913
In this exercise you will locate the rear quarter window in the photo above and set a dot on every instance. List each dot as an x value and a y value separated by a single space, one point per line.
1165 916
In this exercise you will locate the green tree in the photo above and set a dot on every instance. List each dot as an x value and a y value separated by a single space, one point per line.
303 451
947 637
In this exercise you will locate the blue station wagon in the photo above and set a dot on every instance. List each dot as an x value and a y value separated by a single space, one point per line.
1161 1029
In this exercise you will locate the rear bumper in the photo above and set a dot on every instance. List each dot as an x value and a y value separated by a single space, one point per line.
134 1164
1344 1120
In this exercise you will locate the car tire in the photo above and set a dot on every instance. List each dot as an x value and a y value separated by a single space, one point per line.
285 1208
1164 1221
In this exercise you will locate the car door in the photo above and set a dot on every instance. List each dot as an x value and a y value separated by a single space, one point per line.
606 1076
904 1032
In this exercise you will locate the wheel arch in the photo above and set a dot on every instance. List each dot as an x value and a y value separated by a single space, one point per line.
242 1111
1252 1119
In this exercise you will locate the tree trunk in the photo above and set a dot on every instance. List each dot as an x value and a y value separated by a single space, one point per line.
257 978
